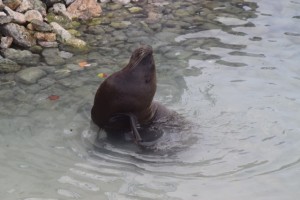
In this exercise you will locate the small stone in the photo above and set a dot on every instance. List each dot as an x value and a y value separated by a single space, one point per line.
65 54
8 66
36 49
12 4
17 17
114 6
21 36
33 14
134 10
48 44
74 32
181 13
29 27
23 57
25 5
85 9
6 42
49 37
5 19
153 17
59 30
41 26
30 75
120 25
52 57
2 13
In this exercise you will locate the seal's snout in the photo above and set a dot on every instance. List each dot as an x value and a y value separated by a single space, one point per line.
143 51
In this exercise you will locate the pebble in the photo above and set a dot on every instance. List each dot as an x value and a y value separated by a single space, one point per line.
30 75
65 54
135 10
120 25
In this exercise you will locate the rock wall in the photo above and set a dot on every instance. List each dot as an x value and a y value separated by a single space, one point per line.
32 25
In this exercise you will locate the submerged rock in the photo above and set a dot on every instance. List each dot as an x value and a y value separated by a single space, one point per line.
21 36
30 75
24 57
120 25
77 44
8 66
52 57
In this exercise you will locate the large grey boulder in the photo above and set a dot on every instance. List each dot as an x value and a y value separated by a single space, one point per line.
30 75
23 57
20 35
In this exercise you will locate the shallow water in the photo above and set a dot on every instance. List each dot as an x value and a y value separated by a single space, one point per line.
235 77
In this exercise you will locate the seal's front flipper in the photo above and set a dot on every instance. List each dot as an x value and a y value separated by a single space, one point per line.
127 119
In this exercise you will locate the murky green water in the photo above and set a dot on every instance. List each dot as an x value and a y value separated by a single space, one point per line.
230 67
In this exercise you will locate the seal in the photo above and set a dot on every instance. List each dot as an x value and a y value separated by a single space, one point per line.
124 101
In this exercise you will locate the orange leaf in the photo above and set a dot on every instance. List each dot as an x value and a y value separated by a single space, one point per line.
53 97
84 64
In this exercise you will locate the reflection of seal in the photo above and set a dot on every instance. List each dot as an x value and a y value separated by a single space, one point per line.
123 101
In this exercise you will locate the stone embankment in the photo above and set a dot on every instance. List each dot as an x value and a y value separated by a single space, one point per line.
29 27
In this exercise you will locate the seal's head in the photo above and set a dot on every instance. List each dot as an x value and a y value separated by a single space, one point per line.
130 90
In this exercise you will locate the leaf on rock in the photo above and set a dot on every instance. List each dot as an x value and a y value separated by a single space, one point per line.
53 97
102 75
84 64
